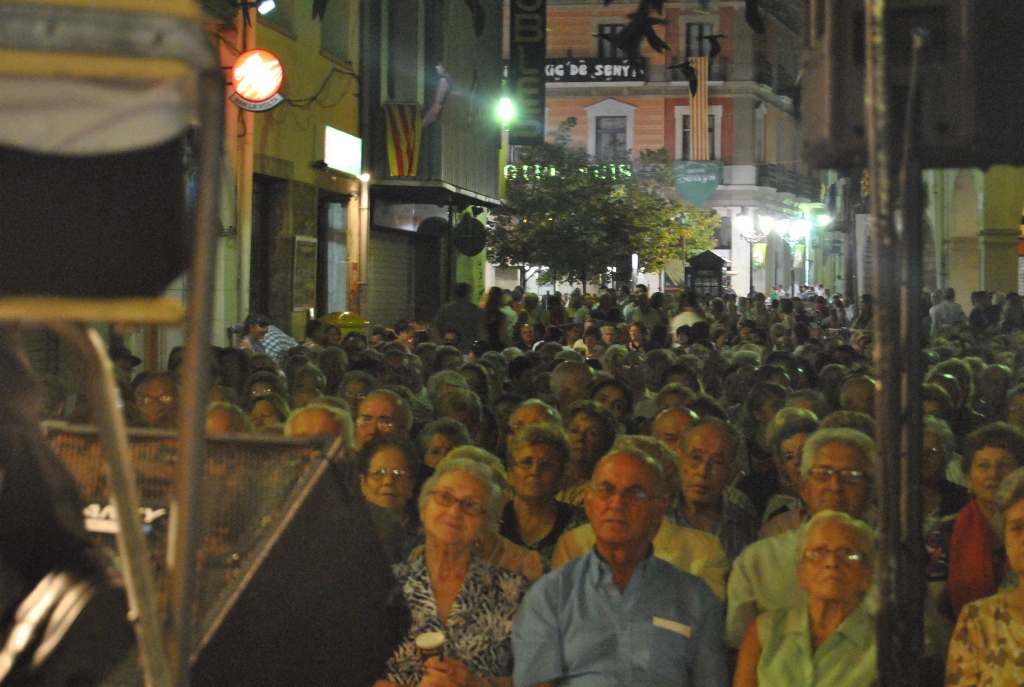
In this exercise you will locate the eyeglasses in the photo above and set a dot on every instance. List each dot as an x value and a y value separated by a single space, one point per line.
384 472
384 423
820 554
541 465
154 400
824 473
632 494
447 499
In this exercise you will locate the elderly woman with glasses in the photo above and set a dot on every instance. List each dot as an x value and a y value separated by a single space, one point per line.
452 591
830 641
387 476
538 459
988 642
965 551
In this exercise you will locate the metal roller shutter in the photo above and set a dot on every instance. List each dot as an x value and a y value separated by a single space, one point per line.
391 276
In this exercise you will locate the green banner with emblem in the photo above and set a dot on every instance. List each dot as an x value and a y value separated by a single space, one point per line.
697 180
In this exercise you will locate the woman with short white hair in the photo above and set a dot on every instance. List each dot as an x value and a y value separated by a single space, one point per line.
829 642
452 591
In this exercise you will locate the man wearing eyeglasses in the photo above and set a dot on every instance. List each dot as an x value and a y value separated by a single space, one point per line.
382 412
711 452
837 468
619 615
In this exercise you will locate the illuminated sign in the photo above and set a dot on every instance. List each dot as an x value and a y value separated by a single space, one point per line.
534 172
343 152
594 69
257 76
528 46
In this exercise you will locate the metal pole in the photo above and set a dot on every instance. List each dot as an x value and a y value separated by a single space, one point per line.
190 467
897 660
132 548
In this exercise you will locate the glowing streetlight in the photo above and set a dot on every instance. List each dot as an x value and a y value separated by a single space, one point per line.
506 110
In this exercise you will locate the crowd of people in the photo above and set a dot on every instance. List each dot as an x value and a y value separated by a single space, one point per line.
649 489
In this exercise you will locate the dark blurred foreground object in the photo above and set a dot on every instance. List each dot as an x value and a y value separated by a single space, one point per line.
971 81
294 585
72 224
321 606
62 623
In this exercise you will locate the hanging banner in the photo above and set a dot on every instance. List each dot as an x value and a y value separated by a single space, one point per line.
696 181
402 122
528 49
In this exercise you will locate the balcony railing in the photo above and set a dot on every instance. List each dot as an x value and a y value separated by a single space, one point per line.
787 181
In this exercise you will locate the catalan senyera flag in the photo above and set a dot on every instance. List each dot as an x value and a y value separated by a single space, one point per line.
699 112
403 126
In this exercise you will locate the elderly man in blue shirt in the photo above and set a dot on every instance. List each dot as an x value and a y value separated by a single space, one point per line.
618 615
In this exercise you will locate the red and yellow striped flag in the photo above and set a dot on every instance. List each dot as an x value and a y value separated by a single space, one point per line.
403 126
699 112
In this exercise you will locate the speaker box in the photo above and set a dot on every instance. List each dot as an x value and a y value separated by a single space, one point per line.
971 77
320 607
294 587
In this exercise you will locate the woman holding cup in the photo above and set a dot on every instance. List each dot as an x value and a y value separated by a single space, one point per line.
454 592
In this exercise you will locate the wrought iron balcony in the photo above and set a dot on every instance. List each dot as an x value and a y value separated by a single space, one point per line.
787 181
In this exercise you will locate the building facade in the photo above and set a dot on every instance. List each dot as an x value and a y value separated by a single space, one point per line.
753 126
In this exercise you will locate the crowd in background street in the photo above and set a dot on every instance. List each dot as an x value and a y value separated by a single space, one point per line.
659 488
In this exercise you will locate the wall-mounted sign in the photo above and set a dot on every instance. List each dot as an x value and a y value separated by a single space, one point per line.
697 180
528 45
602 171
594 69
257 76
342 151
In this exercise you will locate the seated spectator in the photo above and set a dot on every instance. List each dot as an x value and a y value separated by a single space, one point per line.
226 418
788 438
836 472
266 410
591 430
263 382
387 476
964 549
941 498
382 411
835 554
462 405
492 547
616 396
712 452
574 627
538 459
439 437
451 590
987 647
156 397
674 395
320 421
669 426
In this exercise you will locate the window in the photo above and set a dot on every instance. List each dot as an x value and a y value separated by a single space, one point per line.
684 129
334 30
687 133
280 18
696 46
609 136
616 131
604 48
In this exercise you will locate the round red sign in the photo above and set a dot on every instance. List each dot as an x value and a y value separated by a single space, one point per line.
257 75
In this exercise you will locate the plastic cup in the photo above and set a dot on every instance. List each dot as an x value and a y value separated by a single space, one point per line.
430 644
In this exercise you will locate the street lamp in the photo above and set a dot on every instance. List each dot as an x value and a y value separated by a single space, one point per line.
794 232
506 110
745 225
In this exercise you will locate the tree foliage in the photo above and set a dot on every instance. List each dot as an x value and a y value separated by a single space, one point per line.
573 216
